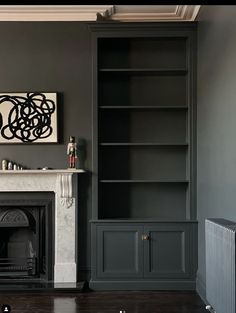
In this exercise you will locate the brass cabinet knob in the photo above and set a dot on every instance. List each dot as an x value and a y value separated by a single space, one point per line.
145 237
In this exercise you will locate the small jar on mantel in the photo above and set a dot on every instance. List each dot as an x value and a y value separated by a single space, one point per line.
4 165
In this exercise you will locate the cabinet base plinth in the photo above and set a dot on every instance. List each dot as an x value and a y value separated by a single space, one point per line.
142 285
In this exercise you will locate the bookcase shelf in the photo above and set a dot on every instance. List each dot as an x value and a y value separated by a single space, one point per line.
145 181
143 71
141 144
146 107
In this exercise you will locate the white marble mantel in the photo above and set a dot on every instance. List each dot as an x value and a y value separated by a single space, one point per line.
63 183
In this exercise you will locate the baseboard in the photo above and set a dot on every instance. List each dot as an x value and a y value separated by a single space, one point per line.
201 289
84 273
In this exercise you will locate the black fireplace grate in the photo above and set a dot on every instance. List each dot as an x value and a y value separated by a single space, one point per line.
17 266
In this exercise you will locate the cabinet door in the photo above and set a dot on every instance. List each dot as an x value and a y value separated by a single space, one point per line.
167 251
119 251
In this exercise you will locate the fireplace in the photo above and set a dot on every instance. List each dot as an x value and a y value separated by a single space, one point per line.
41 208
26 236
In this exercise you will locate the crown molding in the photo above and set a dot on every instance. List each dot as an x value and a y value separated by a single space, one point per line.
189 12
54 12
178 13
126 13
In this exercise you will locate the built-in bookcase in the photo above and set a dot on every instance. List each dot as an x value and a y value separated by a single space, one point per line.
143 124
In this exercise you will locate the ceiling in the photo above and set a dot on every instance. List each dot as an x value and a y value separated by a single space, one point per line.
123 13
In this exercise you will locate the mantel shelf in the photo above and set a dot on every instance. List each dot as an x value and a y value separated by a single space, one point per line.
35 171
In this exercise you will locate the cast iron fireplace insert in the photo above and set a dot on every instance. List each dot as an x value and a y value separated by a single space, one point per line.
26 236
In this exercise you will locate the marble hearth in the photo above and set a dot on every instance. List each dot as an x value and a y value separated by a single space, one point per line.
64 185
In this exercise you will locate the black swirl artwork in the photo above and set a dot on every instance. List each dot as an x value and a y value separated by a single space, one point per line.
29 117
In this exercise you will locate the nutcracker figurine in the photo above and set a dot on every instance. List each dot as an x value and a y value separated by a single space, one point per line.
72 152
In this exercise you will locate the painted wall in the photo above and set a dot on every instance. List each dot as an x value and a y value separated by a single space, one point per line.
216 129
54 57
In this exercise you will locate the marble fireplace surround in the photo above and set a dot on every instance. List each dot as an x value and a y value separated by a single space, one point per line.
64 185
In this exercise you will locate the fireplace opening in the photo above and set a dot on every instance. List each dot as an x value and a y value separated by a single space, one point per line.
26 236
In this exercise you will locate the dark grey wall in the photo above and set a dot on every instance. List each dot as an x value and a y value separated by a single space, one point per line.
56 57
216 120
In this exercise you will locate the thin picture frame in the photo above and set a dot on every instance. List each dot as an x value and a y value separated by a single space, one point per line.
28 117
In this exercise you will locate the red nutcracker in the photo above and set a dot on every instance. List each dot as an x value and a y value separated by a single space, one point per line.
72 152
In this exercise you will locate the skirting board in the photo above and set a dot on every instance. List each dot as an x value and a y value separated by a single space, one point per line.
201 289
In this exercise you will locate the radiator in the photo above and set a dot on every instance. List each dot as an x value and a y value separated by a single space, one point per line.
220 264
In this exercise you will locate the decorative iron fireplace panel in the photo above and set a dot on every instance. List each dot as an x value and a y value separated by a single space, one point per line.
26 236
18 267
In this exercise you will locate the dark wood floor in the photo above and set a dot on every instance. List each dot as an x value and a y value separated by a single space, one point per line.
105 302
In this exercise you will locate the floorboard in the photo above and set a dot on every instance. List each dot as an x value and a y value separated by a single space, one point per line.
105 302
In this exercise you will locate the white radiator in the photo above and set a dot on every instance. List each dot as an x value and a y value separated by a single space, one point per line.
220 264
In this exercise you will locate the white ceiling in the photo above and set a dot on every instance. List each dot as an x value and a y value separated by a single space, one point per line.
123 13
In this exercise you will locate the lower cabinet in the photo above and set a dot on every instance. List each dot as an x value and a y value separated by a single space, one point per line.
141 256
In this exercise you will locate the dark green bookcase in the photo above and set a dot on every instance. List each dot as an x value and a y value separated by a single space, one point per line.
143 223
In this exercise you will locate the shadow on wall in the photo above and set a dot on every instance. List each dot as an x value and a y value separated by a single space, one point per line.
82 153
84 214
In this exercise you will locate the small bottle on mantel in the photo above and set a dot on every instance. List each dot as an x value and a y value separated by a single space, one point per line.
10 165
4 165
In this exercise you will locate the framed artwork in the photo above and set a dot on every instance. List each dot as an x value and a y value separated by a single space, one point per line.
29 117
